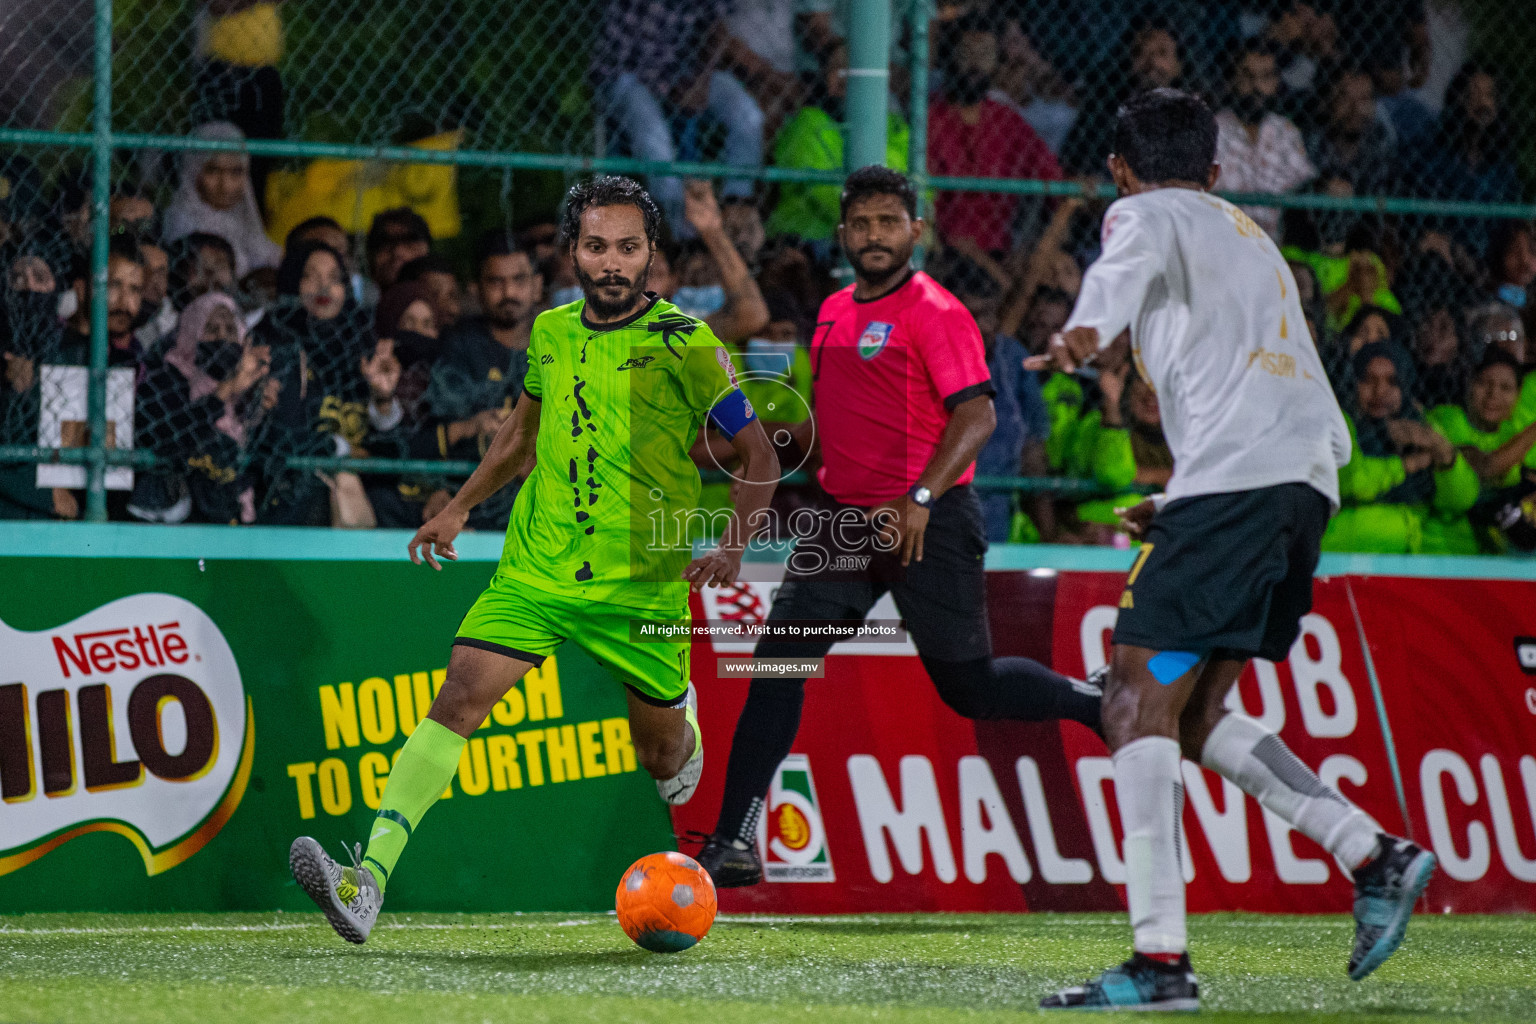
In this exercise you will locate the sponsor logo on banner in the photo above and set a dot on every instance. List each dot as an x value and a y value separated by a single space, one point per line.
1525 652
875 335
131 719
791 835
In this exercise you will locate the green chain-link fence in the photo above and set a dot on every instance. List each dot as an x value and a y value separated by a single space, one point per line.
1384 143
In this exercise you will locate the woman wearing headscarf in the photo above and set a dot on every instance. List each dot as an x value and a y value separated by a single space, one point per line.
200 409
214 196
1370 325
1406 488
319 335
333 373
397 374
405 316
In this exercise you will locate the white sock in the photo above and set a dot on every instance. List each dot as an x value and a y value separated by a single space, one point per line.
1151 800
1262 766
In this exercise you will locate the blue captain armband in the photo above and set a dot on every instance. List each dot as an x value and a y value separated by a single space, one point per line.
732 413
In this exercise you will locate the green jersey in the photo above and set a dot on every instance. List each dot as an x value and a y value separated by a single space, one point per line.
605 513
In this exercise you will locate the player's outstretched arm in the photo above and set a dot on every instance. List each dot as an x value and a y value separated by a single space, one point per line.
1135 250
759 475
1067 351
509 456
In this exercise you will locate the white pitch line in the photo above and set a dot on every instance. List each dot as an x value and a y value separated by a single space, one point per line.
1043 917
513 922
155 929
279 927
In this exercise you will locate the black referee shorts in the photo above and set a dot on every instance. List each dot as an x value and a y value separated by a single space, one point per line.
1229 574
837 572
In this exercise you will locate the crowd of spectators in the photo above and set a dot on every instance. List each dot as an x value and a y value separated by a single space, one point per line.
246 351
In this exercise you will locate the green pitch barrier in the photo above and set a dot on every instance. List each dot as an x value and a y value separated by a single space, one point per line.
302 659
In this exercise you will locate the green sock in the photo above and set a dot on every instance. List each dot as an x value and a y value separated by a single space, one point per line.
426 766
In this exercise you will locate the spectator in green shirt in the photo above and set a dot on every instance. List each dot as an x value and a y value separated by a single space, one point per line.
1486 428
1487 424
813 139
1499 326
1063 395
1406 489
1118 445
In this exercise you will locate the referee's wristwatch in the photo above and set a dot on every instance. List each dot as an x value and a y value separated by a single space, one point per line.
921 495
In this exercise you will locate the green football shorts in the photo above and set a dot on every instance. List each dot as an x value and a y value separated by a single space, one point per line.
524 622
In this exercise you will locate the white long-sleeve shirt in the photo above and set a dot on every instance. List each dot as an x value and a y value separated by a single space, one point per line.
1218 330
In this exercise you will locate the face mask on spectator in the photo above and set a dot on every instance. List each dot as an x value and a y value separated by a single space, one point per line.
699 300
218 359
1512 294
565 296
766 356
412 347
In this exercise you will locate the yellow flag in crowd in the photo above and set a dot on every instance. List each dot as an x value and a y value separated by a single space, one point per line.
353 191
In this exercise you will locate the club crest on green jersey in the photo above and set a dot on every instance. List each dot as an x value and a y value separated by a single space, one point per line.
872 341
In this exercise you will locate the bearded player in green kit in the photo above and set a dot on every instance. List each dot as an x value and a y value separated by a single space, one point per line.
618 385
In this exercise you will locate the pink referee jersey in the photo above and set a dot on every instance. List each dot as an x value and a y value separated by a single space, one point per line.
887 372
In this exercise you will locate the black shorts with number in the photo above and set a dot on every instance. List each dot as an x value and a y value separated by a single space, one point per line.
837 573
1226 573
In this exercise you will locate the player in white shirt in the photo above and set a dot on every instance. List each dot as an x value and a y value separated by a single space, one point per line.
1225 573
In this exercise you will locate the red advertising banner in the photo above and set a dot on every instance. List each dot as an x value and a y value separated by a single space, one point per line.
892 802
1457 664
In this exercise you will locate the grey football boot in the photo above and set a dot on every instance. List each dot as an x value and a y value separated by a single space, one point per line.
349 897
1386 889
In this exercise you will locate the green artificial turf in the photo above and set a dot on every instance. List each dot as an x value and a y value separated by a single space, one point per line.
443 969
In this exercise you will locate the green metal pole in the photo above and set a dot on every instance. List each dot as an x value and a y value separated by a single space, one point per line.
917 148
101 171
869 85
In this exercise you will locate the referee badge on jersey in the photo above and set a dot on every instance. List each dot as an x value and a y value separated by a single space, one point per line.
873 340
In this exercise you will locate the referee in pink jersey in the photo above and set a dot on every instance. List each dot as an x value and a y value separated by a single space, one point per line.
903 404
